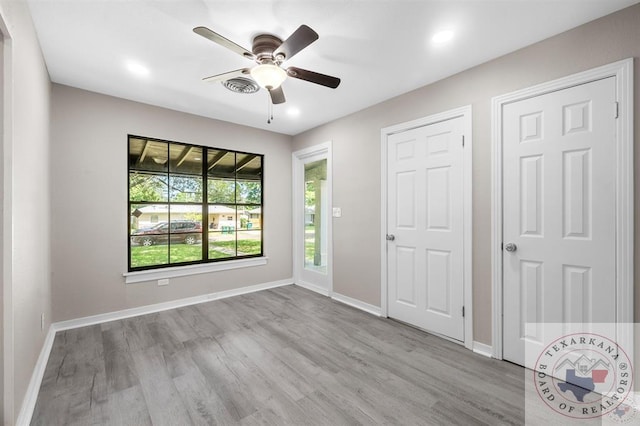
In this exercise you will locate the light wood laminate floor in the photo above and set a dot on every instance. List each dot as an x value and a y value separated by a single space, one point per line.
280 356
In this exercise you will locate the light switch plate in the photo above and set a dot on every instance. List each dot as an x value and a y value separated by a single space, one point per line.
337 212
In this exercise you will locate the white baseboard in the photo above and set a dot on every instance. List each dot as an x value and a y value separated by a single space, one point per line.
128 313
482 349
355 303
321 290
31 396
158 307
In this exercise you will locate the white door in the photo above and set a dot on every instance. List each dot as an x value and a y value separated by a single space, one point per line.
425 218
558 214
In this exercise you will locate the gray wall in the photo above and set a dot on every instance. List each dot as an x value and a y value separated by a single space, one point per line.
89 201
356 149
25 204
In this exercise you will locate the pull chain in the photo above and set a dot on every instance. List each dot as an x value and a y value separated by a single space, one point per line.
269 110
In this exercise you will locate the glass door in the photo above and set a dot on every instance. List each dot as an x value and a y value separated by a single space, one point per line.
312 218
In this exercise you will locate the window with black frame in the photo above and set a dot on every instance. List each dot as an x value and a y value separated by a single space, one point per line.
192 204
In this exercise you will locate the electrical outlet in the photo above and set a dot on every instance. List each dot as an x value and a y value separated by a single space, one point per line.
42 321
163 282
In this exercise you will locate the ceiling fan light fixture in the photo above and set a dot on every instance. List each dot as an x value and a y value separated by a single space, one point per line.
268 76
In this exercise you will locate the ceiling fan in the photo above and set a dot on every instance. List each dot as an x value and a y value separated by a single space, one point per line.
269 52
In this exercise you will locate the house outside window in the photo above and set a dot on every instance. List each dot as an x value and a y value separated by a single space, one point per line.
192 204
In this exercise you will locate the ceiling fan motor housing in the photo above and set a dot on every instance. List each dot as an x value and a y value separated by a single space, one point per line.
263 47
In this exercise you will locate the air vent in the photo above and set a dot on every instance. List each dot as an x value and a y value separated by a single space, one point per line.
241 85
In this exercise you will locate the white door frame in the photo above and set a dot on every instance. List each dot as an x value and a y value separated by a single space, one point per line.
299 158
623 71
6 224
465 113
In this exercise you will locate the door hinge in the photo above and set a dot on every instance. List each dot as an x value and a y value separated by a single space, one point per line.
501 246
463 141
463 312
616 110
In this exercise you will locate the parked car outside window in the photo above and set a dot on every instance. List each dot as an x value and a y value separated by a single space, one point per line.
180 231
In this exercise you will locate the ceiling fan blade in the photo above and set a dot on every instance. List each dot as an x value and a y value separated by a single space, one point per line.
313 77
301 38
277 95
222 41
227 75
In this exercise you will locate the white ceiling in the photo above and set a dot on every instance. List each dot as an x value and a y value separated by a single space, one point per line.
380 49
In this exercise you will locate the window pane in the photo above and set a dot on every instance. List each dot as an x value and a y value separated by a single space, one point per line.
222 231
249 217
221 191
221 164
147 186
316 216
185 189
148 239
248 167
185 233
255 217
249 242
248 191
148 155
185 159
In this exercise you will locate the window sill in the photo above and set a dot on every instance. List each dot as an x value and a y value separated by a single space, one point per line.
182 271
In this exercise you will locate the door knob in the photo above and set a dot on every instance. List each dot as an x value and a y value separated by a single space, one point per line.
510 247
391 237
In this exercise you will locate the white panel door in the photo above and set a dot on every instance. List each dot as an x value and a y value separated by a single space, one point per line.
559 212
425 215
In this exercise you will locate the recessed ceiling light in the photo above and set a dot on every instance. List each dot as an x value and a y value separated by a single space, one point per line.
137 69
442 36
293 112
